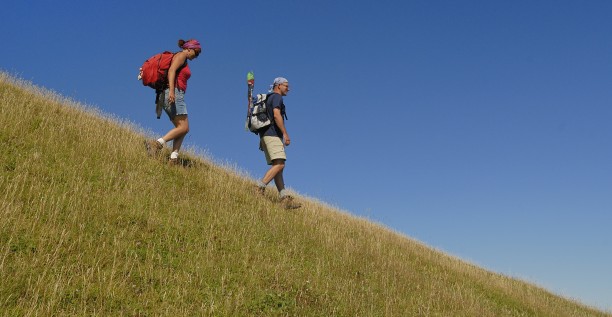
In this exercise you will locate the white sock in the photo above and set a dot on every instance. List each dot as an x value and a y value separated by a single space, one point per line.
283 193
161 141
174 155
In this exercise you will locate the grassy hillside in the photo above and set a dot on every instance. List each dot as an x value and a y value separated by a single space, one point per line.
89 225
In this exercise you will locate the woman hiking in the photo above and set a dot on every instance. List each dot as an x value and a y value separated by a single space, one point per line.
174 100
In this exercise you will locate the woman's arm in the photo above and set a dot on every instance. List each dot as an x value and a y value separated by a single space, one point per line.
177 61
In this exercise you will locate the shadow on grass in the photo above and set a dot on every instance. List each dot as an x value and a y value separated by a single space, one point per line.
191 163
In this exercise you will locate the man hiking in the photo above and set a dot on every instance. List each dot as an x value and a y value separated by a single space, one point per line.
273 141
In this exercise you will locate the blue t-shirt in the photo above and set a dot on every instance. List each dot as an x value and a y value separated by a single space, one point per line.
274 101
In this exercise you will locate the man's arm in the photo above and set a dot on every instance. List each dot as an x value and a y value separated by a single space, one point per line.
280 123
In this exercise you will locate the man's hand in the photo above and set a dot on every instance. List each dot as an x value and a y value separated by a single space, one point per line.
287 139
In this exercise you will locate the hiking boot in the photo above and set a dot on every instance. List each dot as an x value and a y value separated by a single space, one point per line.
153 147
289 203
173 162
260 191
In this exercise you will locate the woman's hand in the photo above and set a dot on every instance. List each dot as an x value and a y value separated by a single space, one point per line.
171 97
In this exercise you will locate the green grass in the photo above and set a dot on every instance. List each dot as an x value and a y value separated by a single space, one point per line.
91 226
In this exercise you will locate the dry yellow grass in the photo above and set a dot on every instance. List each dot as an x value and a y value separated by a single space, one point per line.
89 225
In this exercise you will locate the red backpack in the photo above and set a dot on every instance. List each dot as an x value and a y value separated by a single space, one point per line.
154 71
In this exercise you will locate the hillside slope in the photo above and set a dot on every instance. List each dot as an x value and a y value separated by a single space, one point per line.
89 225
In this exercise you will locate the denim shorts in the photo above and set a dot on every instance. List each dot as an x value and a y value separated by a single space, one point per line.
179 107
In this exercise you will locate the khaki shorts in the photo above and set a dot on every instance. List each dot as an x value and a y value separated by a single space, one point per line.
273 148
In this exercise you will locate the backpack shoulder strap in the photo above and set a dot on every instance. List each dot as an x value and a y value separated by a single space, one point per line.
271 112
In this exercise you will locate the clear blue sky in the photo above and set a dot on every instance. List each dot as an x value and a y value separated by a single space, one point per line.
481 128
